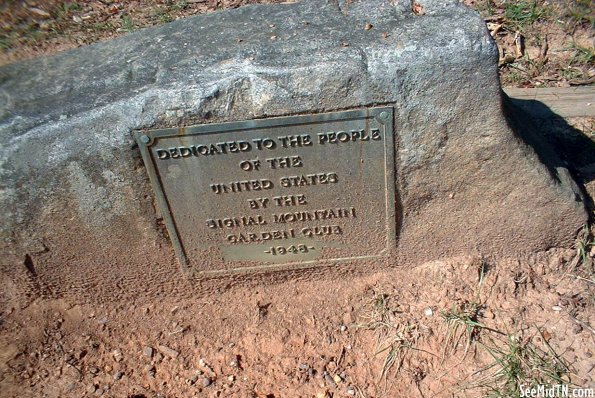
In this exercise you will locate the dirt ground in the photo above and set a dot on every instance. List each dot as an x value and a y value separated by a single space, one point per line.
464 327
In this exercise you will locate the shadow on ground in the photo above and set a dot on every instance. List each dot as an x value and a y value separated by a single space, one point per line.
557 143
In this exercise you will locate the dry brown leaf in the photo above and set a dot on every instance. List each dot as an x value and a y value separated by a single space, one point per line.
519 44
39 12
543 50
494 28
418 9
506 59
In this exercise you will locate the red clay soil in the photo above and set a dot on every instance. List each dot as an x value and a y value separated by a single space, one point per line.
467 327
445 329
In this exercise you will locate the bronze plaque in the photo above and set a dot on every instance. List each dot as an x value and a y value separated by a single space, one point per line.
279 192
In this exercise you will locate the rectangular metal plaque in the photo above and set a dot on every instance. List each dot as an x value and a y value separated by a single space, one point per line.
277 192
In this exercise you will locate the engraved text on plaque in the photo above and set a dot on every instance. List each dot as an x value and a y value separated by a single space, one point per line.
278 191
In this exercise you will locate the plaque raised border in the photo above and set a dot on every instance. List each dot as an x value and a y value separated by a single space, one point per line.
383 115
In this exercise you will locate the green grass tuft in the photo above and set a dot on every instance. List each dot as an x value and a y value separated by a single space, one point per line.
462 323
520 15
516 363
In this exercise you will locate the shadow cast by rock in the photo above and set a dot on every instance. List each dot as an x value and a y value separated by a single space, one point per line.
558 145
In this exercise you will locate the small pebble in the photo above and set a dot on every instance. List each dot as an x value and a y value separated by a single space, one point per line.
235 362
206 382
331 366
117 354
428 312
350 391
148 351
343 328
557 308
150 370
168 351
118 375
329 380
204 365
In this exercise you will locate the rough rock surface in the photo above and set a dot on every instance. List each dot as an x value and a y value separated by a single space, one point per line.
78 216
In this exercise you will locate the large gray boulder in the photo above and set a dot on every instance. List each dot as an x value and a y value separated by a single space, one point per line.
78 214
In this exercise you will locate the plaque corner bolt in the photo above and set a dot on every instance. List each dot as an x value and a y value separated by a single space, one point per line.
383 115
145 139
